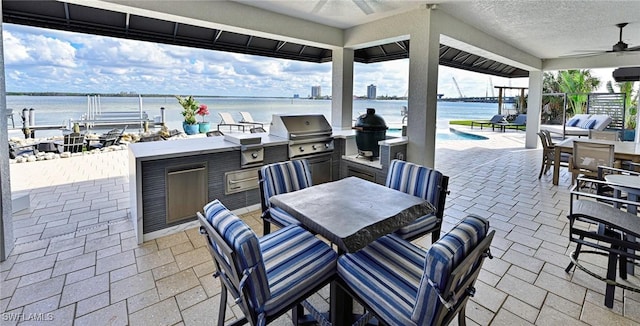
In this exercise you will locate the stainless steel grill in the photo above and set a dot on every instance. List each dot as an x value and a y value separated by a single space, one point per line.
310 137
308 134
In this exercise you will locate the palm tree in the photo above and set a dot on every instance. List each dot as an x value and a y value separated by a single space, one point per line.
576 84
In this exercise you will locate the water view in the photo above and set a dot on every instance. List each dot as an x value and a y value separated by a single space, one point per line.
61 110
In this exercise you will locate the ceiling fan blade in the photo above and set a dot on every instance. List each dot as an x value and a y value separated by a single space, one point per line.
635 48
319 6
582 55
364 6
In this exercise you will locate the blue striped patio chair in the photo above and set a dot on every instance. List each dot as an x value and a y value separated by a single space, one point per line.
401 284
428 184
268 276
280 178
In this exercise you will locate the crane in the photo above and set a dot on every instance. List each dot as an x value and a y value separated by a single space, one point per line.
457 87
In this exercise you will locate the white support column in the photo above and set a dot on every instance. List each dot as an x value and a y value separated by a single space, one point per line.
342 88
6 218
423 92
534 105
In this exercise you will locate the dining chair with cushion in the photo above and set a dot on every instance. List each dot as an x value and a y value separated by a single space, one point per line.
266 276
401 284
586 158
279 178
548 155
428 184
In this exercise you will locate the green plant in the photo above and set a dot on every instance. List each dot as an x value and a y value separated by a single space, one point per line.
576 84
190 108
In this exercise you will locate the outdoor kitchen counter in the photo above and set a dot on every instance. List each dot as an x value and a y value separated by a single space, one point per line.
192 146
170 179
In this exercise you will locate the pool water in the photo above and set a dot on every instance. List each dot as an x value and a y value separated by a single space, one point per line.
452 134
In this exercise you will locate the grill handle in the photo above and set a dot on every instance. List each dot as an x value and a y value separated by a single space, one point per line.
312 134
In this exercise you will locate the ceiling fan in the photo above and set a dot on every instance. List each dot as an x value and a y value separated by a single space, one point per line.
618 47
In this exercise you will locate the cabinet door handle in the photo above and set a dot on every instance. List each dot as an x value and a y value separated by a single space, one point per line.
186 171
242 180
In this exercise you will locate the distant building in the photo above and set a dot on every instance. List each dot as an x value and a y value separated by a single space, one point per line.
316 91
371 92
296 95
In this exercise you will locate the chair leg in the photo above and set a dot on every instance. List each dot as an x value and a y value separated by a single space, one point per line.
223 304
611 275
266 227
574 256
435 235
296 313
542 168
462 319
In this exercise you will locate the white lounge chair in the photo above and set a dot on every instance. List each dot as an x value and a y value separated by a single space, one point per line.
227 120
247 118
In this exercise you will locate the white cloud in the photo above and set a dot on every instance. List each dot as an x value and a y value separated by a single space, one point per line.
45 60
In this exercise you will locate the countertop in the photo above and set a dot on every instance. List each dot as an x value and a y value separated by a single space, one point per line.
192 146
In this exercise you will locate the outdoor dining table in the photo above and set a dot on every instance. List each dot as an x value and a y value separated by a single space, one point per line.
351 213
627 151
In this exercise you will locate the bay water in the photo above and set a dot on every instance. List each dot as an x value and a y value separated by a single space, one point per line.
63 110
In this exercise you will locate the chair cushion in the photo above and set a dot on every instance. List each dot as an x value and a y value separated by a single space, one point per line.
415 180
282 218
385 275
418 181
284 177
244 242
442 258
421 225
588 124
296 262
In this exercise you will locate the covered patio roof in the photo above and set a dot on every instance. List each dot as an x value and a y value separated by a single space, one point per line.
91 20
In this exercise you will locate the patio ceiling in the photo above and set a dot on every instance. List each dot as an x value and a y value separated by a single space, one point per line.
91 20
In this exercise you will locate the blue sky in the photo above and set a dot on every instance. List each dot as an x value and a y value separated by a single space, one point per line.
42 60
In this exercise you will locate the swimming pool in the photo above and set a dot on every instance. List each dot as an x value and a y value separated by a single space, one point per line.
452 134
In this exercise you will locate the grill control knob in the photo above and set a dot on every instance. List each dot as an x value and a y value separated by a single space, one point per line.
254 155
301 149
314 147
326 145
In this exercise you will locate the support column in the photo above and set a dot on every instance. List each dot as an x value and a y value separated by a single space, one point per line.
534 105
423 92
6 220
342 88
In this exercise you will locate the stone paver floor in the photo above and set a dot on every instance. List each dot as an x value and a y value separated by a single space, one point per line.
76 260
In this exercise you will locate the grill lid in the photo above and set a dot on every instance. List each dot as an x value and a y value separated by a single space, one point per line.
370 122
299 126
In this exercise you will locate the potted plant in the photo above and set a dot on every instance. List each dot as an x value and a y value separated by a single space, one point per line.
190 107
202 111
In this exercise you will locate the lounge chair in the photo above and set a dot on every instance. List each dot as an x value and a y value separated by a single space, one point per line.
227 120
494 120
247 118
519 121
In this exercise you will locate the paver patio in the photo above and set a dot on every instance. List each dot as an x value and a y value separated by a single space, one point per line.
76 260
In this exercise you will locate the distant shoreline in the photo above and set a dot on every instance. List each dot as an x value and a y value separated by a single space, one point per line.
129 95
